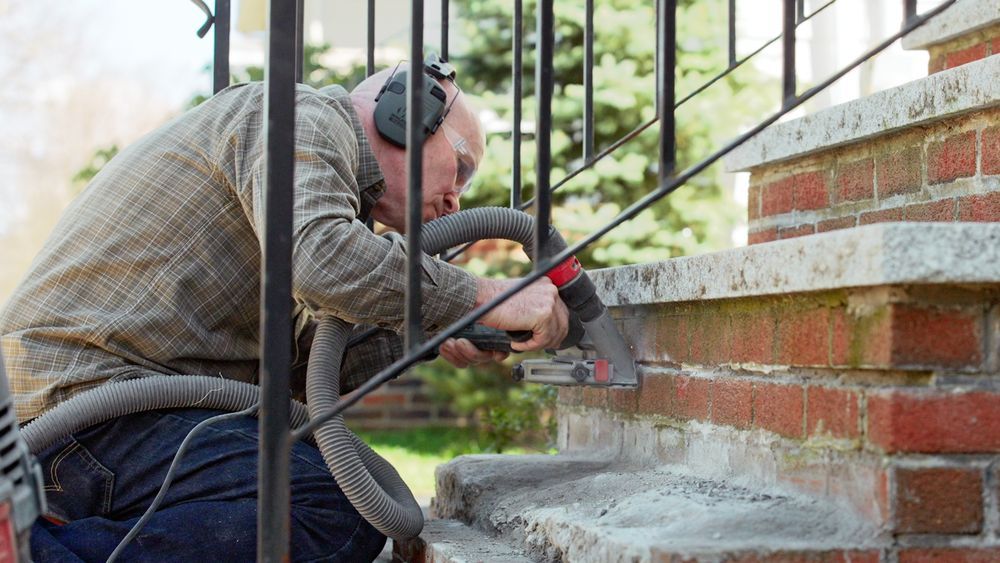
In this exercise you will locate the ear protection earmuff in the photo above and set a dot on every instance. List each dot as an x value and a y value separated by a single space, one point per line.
390 103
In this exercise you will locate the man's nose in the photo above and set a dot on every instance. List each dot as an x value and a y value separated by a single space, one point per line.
451 204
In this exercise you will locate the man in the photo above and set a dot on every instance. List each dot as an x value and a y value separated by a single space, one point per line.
154 269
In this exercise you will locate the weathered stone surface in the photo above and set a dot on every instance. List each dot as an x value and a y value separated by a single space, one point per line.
448 541
949 93
873 255
965 16
575 509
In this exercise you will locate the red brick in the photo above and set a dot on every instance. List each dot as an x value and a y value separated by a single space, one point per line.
934 421
710 337
656 394
882 216
692 396
983 207
671 334
753 203
732 402
623 400
856 180
766 235
753 337
804 337
833 412
861 339
991 150
949 555
954 157
570 395
777 197
898 172
936 337
595 397
811 191
384 399
942 210
778 408
967 55
995 46
939 500
836 224
797 231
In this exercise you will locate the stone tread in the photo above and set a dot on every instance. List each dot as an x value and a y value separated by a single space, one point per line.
873 255
945 94
449 541
564 508
966 16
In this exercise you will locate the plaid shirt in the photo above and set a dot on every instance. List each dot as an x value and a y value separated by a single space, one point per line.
155 267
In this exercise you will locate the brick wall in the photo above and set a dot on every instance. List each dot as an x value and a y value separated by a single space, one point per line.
402 403
964 49
886 398
949 171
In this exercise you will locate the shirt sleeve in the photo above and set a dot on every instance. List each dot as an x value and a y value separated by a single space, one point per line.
338 265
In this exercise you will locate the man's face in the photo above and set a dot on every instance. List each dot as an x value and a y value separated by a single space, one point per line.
451 156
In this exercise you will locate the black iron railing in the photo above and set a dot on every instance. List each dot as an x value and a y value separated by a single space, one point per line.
284 68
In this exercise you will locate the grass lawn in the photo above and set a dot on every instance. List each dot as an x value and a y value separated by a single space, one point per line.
416 452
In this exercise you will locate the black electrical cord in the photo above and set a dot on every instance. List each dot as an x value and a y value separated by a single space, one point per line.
144 519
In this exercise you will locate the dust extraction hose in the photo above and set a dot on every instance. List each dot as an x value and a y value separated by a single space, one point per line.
371 484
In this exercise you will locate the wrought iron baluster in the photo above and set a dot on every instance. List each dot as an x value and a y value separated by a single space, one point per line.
273 508
299 41
220 65
544 76
788 52
414 175
370 64
666 60
516 74
732 33
444 29
588 83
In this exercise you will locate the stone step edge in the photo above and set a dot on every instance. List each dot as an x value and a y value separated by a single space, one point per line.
964 17
583 508
945 94
451 541
873 255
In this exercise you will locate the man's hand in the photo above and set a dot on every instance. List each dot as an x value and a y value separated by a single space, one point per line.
462 353
536 308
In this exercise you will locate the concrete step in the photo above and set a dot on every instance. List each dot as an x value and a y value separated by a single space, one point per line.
450 541
963 18
566 508
950 93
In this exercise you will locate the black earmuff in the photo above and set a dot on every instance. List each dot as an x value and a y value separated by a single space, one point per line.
390 103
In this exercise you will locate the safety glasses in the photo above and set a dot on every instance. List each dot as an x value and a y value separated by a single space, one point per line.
465 161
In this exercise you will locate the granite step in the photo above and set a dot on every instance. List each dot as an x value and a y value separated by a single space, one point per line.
950 93
570 508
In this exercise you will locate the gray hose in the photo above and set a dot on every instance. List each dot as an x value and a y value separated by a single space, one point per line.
480 224
144 394
371 484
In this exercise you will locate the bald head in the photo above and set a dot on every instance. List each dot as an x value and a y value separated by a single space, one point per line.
447 153
461 118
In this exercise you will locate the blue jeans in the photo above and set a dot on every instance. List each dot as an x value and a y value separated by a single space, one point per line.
100 481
